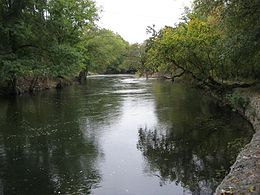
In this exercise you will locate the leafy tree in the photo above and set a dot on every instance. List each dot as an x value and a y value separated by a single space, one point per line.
104 51
134 59
188 48
211 45
40 38
239 22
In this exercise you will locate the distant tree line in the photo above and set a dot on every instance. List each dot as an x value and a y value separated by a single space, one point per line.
54 39
216 44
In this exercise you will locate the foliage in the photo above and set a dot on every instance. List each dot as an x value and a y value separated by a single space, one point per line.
42 37
190 47
237 101
215 42
104 51
134 59
239 21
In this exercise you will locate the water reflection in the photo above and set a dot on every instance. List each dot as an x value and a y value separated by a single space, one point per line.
82 140
194 143
47 144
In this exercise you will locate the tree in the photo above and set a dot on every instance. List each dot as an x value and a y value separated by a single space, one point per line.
211 45
40 38
103 51
239 22
134 59
188 48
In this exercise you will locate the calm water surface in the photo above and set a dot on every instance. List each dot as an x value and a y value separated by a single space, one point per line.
117 135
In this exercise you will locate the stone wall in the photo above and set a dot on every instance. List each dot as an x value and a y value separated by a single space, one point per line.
244 176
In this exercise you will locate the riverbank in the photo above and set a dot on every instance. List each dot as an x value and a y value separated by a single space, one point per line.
244 176
25 85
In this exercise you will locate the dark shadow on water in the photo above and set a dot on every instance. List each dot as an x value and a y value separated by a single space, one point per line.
45 144
195 142
53 142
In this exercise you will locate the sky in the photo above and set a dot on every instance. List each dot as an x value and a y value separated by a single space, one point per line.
129 18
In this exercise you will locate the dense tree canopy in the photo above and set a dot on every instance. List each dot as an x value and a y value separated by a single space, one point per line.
104 51
239 22
217 42
54 39
134 59
41 37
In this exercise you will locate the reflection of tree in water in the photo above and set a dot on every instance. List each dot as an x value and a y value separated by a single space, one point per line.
44 146
198 164
195 143
47 159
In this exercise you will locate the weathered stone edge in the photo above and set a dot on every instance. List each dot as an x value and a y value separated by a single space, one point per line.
244 176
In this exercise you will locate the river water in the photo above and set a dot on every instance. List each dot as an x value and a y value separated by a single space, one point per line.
117 135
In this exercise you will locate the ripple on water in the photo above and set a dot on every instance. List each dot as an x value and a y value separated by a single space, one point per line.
129 91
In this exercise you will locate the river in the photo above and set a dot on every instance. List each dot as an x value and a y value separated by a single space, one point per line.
117 135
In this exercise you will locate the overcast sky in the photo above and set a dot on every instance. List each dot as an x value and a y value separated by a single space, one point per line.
129 18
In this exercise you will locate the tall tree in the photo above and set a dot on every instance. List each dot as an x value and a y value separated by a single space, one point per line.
104 51
40 38
216 43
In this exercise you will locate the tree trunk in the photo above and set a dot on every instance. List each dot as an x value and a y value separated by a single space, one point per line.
33 84
82 78
146 76
12 86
